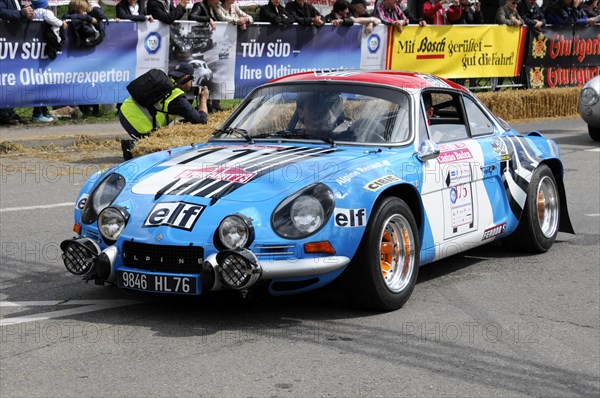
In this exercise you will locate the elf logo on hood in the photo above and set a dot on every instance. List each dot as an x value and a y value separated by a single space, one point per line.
174 214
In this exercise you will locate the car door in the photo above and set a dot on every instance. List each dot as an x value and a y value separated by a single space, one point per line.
496 159
452 182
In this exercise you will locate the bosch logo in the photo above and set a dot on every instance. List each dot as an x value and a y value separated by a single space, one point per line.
174 214
152 43
373 43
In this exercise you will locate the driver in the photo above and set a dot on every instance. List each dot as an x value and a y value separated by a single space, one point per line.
321 113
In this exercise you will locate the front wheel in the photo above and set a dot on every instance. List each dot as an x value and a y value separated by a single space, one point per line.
594 132
384 271
539 222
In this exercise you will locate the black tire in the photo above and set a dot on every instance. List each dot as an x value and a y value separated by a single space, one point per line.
594 132
365 282
539 222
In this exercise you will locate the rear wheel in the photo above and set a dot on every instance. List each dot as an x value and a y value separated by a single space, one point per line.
539 223
594 132
384 271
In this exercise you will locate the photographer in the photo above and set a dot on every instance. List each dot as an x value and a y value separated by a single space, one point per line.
140 122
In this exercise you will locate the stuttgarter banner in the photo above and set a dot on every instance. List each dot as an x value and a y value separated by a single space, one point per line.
563 56
96 75
460 51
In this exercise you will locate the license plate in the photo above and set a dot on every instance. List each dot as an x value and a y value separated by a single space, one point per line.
158 283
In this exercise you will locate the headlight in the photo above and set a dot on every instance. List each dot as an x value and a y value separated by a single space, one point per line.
102 196
588 96
111 222
303 213
307 213
235 232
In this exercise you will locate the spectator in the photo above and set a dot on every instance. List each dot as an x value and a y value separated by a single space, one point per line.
441 12
274 13
471 13
340 14
359 14
205 11
508 15
40 11
133 10
403 4
78 13
390 14
306 14
563 12
229 11
165 11
532 14
11 10
96 11
590 8
138 122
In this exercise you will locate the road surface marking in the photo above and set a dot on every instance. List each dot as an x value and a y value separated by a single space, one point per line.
85 306
37 207
593 150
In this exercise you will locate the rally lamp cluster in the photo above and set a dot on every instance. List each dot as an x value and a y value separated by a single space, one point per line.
298 216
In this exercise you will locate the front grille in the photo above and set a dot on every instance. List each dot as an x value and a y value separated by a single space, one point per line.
273 251
161 258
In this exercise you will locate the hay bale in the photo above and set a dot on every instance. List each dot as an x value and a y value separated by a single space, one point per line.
532 104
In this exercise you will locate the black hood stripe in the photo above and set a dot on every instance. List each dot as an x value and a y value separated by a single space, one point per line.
253 160
201 154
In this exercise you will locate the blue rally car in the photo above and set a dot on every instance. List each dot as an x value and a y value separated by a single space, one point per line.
362 176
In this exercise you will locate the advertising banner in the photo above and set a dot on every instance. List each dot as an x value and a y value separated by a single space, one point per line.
460 51
563 56
78 75
211 54
265 52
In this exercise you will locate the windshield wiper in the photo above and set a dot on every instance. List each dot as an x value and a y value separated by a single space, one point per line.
299 134
231 130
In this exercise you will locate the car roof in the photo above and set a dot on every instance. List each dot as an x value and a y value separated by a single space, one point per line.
405 80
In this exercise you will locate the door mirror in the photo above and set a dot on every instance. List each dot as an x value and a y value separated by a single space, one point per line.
428 150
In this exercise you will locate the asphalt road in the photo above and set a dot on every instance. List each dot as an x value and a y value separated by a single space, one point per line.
484 323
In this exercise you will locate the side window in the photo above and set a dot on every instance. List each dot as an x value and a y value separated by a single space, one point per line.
444 116
480 124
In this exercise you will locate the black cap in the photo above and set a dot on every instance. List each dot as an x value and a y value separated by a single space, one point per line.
182 68
357 2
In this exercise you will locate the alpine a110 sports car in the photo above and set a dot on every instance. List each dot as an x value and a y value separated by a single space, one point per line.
362 176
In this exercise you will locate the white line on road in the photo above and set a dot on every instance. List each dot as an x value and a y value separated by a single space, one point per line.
593 215
593 150
37 207
88 306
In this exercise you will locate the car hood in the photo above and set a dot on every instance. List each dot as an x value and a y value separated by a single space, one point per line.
248 173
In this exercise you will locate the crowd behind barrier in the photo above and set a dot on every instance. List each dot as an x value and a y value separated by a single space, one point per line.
236 55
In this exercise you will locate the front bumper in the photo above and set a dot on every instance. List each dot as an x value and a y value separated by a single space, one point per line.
237 270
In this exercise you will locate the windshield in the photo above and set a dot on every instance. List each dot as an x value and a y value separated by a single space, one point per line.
326 111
